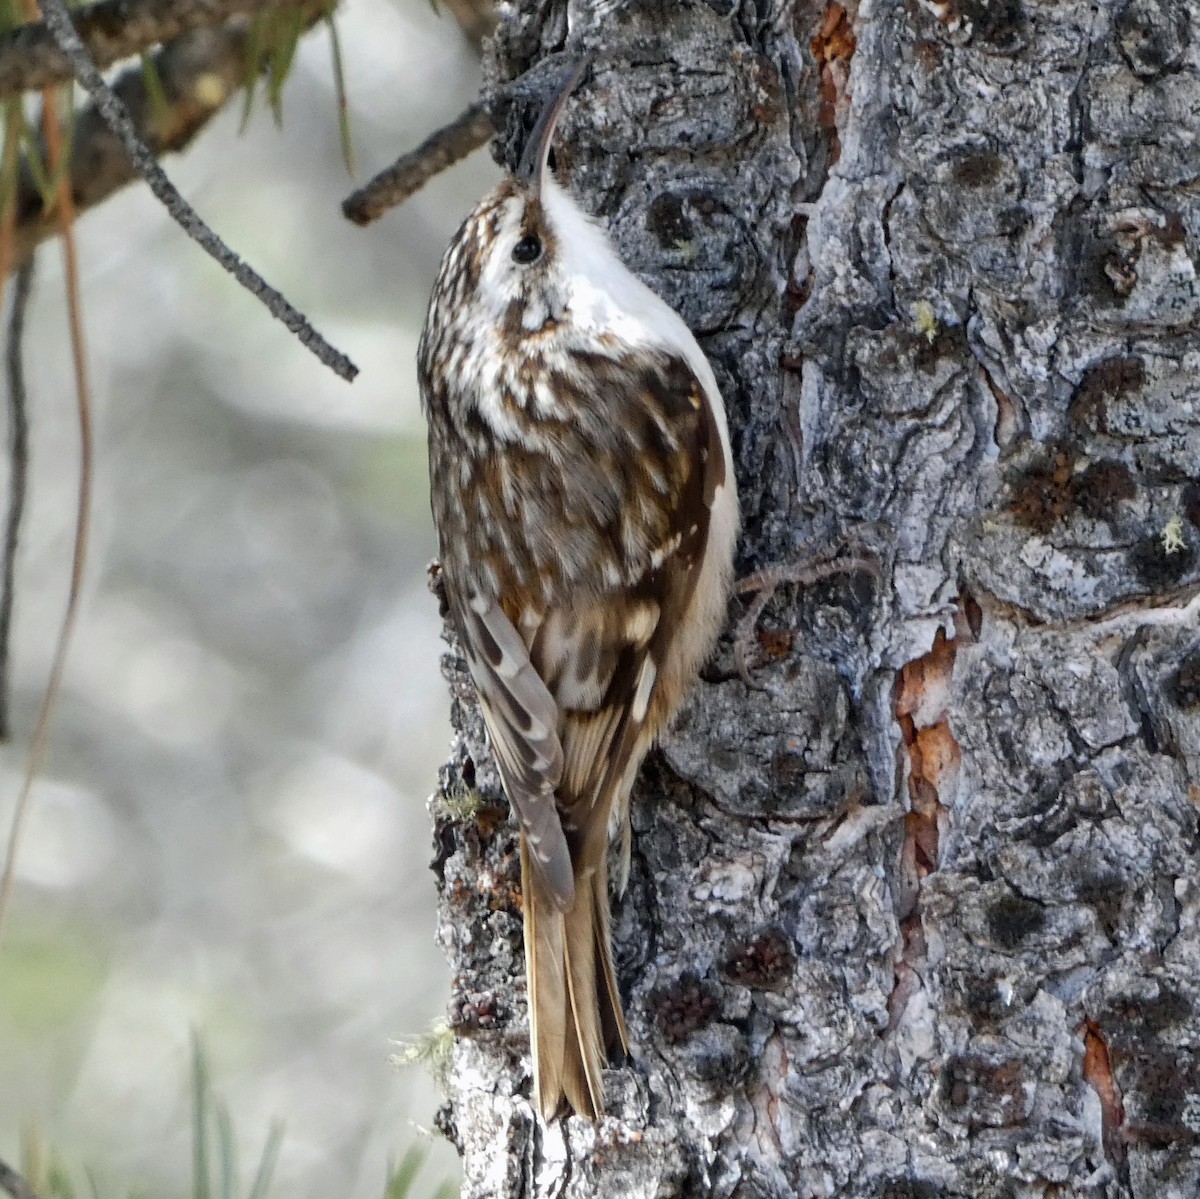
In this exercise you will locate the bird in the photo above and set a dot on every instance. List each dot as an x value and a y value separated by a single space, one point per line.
583 491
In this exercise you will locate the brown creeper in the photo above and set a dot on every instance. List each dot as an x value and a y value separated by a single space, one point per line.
586 510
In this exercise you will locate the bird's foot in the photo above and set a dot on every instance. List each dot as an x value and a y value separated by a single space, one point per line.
802 571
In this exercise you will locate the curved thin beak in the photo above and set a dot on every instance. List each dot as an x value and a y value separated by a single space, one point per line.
532 168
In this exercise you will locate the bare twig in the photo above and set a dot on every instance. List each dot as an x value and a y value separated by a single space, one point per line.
58 19
112 30
13 1184
409 173
18 433
18 457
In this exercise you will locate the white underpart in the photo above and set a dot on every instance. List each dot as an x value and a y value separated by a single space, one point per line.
606 297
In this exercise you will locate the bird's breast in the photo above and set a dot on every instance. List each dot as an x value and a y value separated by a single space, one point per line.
560 490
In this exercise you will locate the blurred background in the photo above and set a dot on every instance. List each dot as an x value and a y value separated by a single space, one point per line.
230 833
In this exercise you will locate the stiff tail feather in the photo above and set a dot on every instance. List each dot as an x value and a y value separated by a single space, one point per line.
574 1007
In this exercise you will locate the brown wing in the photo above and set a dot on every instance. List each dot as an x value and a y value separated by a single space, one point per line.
570 682
521 717
604 658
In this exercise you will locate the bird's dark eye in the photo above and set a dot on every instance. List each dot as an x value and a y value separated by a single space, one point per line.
527 250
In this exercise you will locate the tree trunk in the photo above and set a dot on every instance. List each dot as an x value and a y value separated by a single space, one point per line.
919 914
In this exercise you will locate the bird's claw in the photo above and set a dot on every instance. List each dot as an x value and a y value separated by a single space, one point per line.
803 572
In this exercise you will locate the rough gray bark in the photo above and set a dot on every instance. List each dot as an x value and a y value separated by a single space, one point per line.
921 917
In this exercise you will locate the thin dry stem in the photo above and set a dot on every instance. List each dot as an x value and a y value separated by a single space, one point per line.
18 455
8 219
52 132
18 428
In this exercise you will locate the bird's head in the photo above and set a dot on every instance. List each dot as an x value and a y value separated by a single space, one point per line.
532 284
528 256
525 230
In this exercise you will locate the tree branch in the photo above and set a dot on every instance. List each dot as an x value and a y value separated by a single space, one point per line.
11 1183
410 172
118 119
113 30
18 457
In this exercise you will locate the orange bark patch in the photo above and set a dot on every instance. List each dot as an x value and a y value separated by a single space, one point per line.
833 47
934 753
922 698
925 682
922 695
836 38
1098 1074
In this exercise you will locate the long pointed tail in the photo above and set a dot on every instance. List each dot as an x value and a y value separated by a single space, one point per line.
575 1013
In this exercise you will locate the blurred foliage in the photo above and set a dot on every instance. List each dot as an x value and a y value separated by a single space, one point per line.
211 1121
214 1157
270 52
43 1170
214 1153
401 1178
45 179
48 978
273 37
50 975
12 14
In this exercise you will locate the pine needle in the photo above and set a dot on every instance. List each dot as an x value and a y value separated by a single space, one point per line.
200 1106
339 88
266 1163
156 94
